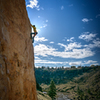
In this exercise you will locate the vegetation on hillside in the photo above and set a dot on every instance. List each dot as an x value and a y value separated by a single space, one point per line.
38 87
60 75
78 83
52 90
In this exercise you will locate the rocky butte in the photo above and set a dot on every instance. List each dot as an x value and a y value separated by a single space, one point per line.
17 79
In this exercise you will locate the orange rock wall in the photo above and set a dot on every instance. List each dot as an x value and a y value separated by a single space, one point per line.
17 79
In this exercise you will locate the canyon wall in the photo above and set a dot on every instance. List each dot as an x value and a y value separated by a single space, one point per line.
17 77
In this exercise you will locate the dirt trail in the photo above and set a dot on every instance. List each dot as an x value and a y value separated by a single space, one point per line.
62 96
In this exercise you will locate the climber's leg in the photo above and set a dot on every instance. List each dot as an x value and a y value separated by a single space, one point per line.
35 34
33 40
31 35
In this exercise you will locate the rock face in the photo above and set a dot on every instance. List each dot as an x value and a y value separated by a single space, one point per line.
17 79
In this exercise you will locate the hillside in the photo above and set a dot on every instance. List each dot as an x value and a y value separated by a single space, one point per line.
42 96
60 75
84 85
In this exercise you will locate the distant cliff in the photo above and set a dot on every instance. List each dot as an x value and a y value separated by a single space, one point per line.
17 79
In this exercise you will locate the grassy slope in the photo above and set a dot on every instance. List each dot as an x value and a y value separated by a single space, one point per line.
83 87
42 96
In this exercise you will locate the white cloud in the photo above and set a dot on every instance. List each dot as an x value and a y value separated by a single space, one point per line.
86 20
33 4
90 62
70 5
73 45
46 20
38 8
75 63
44 25
38 30
87 36
97 43
49 62
37 58
42 8
51 42
71 39
62 7
97 15
70 46
45 51
40 39
38 16
65 38
78 63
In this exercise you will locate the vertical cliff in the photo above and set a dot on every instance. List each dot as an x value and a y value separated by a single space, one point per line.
17 80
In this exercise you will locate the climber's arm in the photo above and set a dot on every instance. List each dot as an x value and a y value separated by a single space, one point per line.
34 28
31 25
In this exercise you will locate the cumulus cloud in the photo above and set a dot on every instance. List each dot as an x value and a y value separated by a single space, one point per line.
75 63
51 42
42 8
70 5
38 16
37 58
45 51
90 62
86 20
71 39
38 30
87 36
78 63
33 4
62 7
96 43
64 38
46 20
40 39
70 46
43 26
49 62
97 15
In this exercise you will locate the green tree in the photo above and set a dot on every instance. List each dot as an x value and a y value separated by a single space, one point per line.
38 87
73 66
52 90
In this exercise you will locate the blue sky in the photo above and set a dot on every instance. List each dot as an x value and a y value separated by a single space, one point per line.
68 32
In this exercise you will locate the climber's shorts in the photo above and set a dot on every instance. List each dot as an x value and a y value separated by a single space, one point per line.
36 33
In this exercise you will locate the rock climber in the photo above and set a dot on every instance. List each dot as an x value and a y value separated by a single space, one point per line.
33 34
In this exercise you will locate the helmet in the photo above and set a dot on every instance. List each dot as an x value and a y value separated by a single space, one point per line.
34 25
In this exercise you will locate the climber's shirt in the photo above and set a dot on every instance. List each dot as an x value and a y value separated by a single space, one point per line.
34 28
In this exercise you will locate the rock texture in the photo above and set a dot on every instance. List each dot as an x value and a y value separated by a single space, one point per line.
17 79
